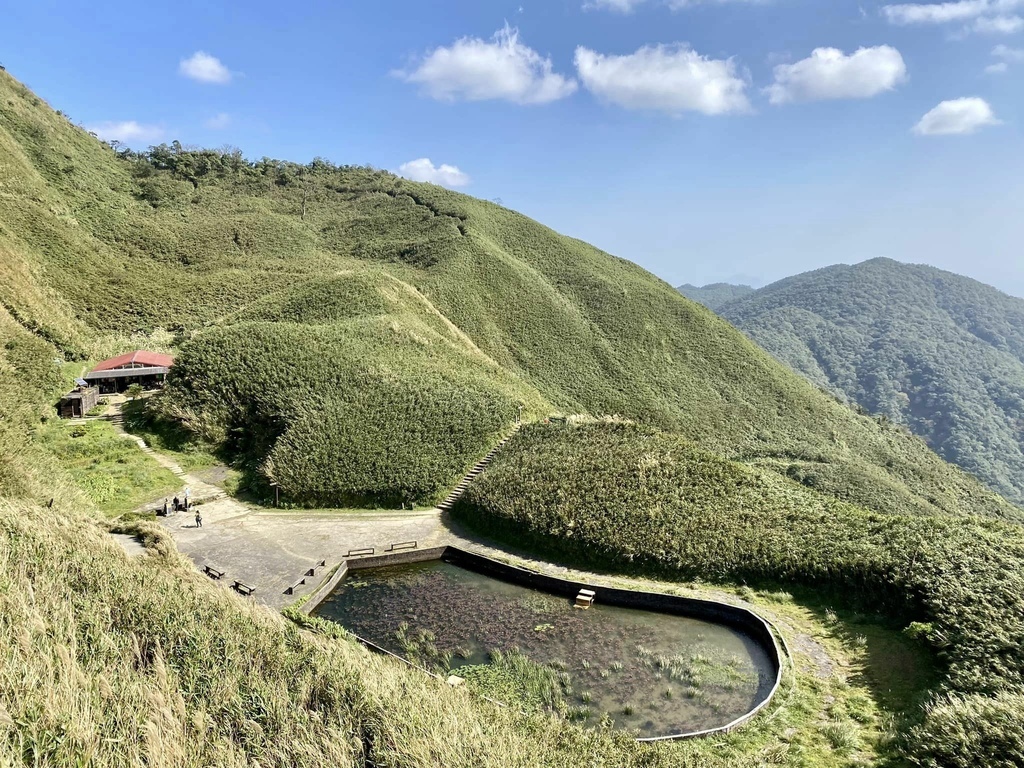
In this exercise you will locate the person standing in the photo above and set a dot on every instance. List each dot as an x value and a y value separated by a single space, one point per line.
199 520
165 507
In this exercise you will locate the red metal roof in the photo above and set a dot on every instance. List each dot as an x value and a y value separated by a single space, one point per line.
139 357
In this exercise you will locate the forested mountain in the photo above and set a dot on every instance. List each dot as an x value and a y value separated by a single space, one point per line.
714 295
938 352
356 337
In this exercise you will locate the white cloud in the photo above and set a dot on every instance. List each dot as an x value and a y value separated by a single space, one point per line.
998 25
424 170
956 117
502 68
127 131
1006 53
218 122
943 13
988 16
667 78
205 68
830 74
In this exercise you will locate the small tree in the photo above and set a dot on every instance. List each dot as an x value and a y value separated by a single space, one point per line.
134 391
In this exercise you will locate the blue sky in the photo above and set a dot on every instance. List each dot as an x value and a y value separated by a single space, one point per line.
707 140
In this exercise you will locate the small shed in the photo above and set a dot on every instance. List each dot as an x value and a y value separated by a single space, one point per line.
78 402
147 369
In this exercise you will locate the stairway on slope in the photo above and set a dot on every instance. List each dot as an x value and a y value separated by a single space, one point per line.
470 476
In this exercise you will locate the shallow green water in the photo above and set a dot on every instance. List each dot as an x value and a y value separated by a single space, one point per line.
652 672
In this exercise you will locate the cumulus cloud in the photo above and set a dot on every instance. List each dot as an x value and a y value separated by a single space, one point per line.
997 69
218 122
956 117
666 78
472 69
127 131
204 68
424 170
831 74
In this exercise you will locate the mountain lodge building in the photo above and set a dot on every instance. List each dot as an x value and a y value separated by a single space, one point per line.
147 369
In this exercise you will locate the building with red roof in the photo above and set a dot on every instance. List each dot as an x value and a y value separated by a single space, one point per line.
147 369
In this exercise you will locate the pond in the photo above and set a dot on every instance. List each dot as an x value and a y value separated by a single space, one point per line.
655 673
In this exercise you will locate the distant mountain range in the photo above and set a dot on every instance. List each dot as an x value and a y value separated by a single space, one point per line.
715 295
938 352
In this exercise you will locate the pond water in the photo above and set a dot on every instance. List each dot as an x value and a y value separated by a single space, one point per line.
655 673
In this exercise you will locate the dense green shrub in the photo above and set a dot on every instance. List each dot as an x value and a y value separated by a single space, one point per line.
970 731
374 410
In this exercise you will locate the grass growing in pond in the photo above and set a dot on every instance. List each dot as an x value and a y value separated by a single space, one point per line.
513 678
428 611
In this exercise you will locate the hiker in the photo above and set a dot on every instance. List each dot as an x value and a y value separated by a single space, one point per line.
199 520
176 503
165 507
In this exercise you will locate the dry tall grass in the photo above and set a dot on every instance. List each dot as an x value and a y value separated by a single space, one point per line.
107 660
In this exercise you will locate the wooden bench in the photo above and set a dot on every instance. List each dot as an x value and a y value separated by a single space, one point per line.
402 545
360 552
213 573
244 589
293 587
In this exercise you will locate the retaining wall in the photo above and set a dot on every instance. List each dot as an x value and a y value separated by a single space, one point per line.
738 618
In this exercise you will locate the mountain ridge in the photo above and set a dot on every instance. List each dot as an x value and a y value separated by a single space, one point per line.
938 352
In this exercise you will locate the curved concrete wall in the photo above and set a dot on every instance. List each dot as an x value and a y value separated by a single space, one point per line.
741 619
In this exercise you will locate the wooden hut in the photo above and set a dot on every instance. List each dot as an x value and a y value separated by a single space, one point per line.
79 401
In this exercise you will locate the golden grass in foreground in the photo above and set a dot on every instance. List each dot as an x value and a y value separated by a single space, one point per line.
108 661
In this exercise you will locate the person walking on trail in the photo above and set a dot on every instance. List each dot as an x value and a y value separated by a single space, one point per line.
165 507
177 503
199 520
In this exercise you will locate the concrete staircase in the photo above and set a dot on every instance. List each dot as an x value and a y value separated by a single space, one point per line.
479 467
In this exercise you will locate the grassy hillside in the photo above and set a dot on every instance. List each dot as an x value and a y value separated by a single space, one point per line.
935 351
715 295
107 660
623 497
200 242
355 336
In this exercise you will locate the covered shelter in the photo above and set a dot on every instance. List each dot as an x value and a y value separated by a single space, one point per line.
147 369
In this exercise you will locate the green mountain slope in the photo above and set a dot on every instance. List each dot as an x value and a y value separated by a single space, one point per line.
714 295
940 353
353 335
190 241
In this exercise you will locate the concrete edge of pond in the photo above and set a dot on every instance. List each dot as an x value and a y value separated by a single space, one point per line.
733 616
